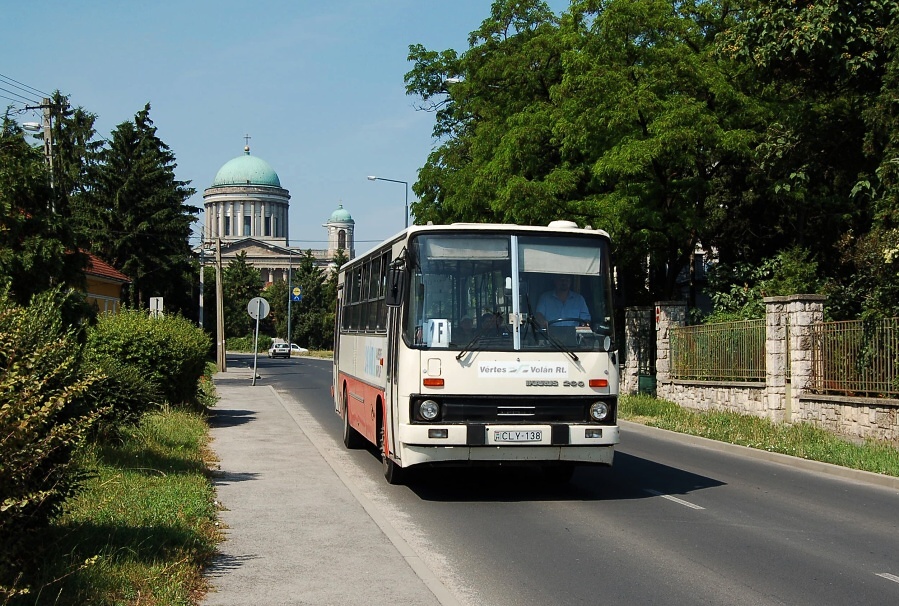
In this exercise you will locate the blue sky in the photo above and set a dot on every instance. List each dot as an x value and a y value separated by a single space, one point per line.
318 85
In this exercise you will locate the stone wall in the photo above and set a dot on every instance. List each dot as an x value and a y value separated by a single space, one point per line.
635 320
786 395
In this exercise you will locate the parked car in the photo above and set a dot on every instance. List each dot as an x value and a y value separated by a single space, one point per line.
279 350
296 350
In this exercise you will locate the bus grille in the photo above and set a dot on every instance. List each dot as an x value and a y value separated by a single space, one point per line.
513 409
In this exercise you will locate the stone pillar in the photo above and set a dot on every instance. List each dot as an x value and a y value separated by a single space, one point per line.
804 312
789 351
777 403
636 321
668 314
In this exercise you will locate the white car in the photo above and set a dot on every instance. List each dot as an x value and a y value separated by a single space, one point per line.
296 350
279 350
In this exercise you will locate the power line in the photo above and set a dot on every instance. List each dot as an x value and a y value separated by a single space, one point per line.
20 85
22 98
14 101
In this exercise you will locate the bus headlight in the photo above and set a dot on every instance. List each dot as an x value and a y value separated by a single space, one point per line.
428 409
599 411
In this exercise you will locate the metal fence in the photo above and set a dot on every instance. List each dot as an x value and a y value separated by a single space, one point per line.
859 358
727 351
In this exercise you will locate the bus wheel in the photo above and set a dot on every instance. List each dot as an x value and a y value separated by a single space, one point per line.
393 473
351 437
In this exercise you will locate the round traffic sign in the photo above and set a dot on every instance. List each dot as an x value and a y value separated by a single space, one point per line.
258 308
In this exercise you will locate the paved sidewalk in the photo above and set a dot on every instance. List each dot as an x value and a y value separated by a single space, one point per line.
296 532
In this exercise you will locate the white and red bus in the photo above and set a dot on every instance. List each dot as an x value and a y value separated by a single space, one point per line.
477 343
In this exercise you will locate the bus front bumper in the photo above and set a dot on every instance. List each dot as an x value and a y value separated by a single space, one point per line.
498 442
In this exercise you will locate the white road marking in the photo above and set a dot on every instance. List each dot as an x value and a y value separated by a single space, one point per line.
670 498
888 576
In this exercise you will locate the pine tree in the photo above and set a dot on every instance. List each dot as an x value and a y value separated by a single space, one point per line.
76 160
36 245
147 221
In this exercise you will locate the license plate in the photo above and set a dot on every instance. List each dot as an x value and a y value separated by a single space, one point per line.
534 435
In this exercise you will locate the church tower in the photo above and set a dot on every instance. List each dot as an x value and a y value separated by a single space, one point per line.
340 233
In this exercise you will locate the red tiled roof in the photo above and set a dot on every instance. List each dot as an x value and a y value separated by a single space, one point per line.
102 269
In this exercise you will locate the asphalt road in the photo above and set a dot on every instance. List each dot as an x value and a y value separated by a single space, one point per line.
671 523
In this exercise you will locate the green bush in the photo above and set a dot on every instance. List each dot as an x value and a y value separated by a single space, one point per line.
245 344
169 351
45 416
125 388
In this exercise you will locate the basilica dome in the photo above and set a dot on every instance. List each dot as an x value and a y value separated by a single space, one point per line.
246 170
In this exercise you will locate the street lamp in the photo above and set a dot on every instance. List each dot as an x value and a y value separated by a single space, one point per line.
373 178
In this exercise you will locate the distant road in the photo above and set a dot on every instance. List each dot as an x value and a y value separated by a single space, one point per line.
670 523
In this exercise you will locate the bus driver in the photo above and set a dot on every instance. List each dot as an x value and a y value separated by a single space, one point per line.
562 303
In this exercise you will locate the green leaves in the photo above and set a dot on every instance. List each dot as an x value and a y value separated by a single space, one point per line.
145 219
45 415
748 128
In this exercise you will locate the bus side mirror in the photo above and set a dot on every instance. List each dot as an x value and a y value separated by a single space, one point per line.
396 284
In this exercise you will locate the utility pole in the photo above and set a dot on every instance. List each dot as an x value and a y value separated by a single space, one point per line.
48 136
219 308
203 245
47 125
289 289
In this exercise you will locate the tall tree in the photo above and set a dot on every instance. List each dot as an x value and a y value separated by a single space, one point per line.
828 70
143 207
312 322
494 110
241 282
652 112
621 117
36 245
76 158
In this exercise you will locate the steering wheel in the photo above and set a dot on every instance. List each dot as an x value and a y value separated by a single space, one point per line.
577 321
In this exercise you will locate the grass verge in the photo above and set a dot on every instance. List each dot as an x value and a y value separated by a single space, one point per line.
799 440
144 525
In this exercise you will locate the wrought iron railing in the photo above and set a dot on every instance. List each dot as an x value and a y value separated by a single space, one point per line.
726 351
859 358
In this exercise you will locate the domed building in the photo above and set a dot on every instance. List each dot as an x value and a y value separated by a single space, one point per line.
247 210
246 200
340 231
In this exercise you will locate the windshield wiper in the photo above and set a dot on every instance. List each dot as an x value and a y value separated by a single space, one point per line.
558 344
478 336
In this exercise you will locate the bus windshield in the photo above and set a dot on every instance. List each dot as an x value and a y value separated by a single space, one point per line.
509 292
